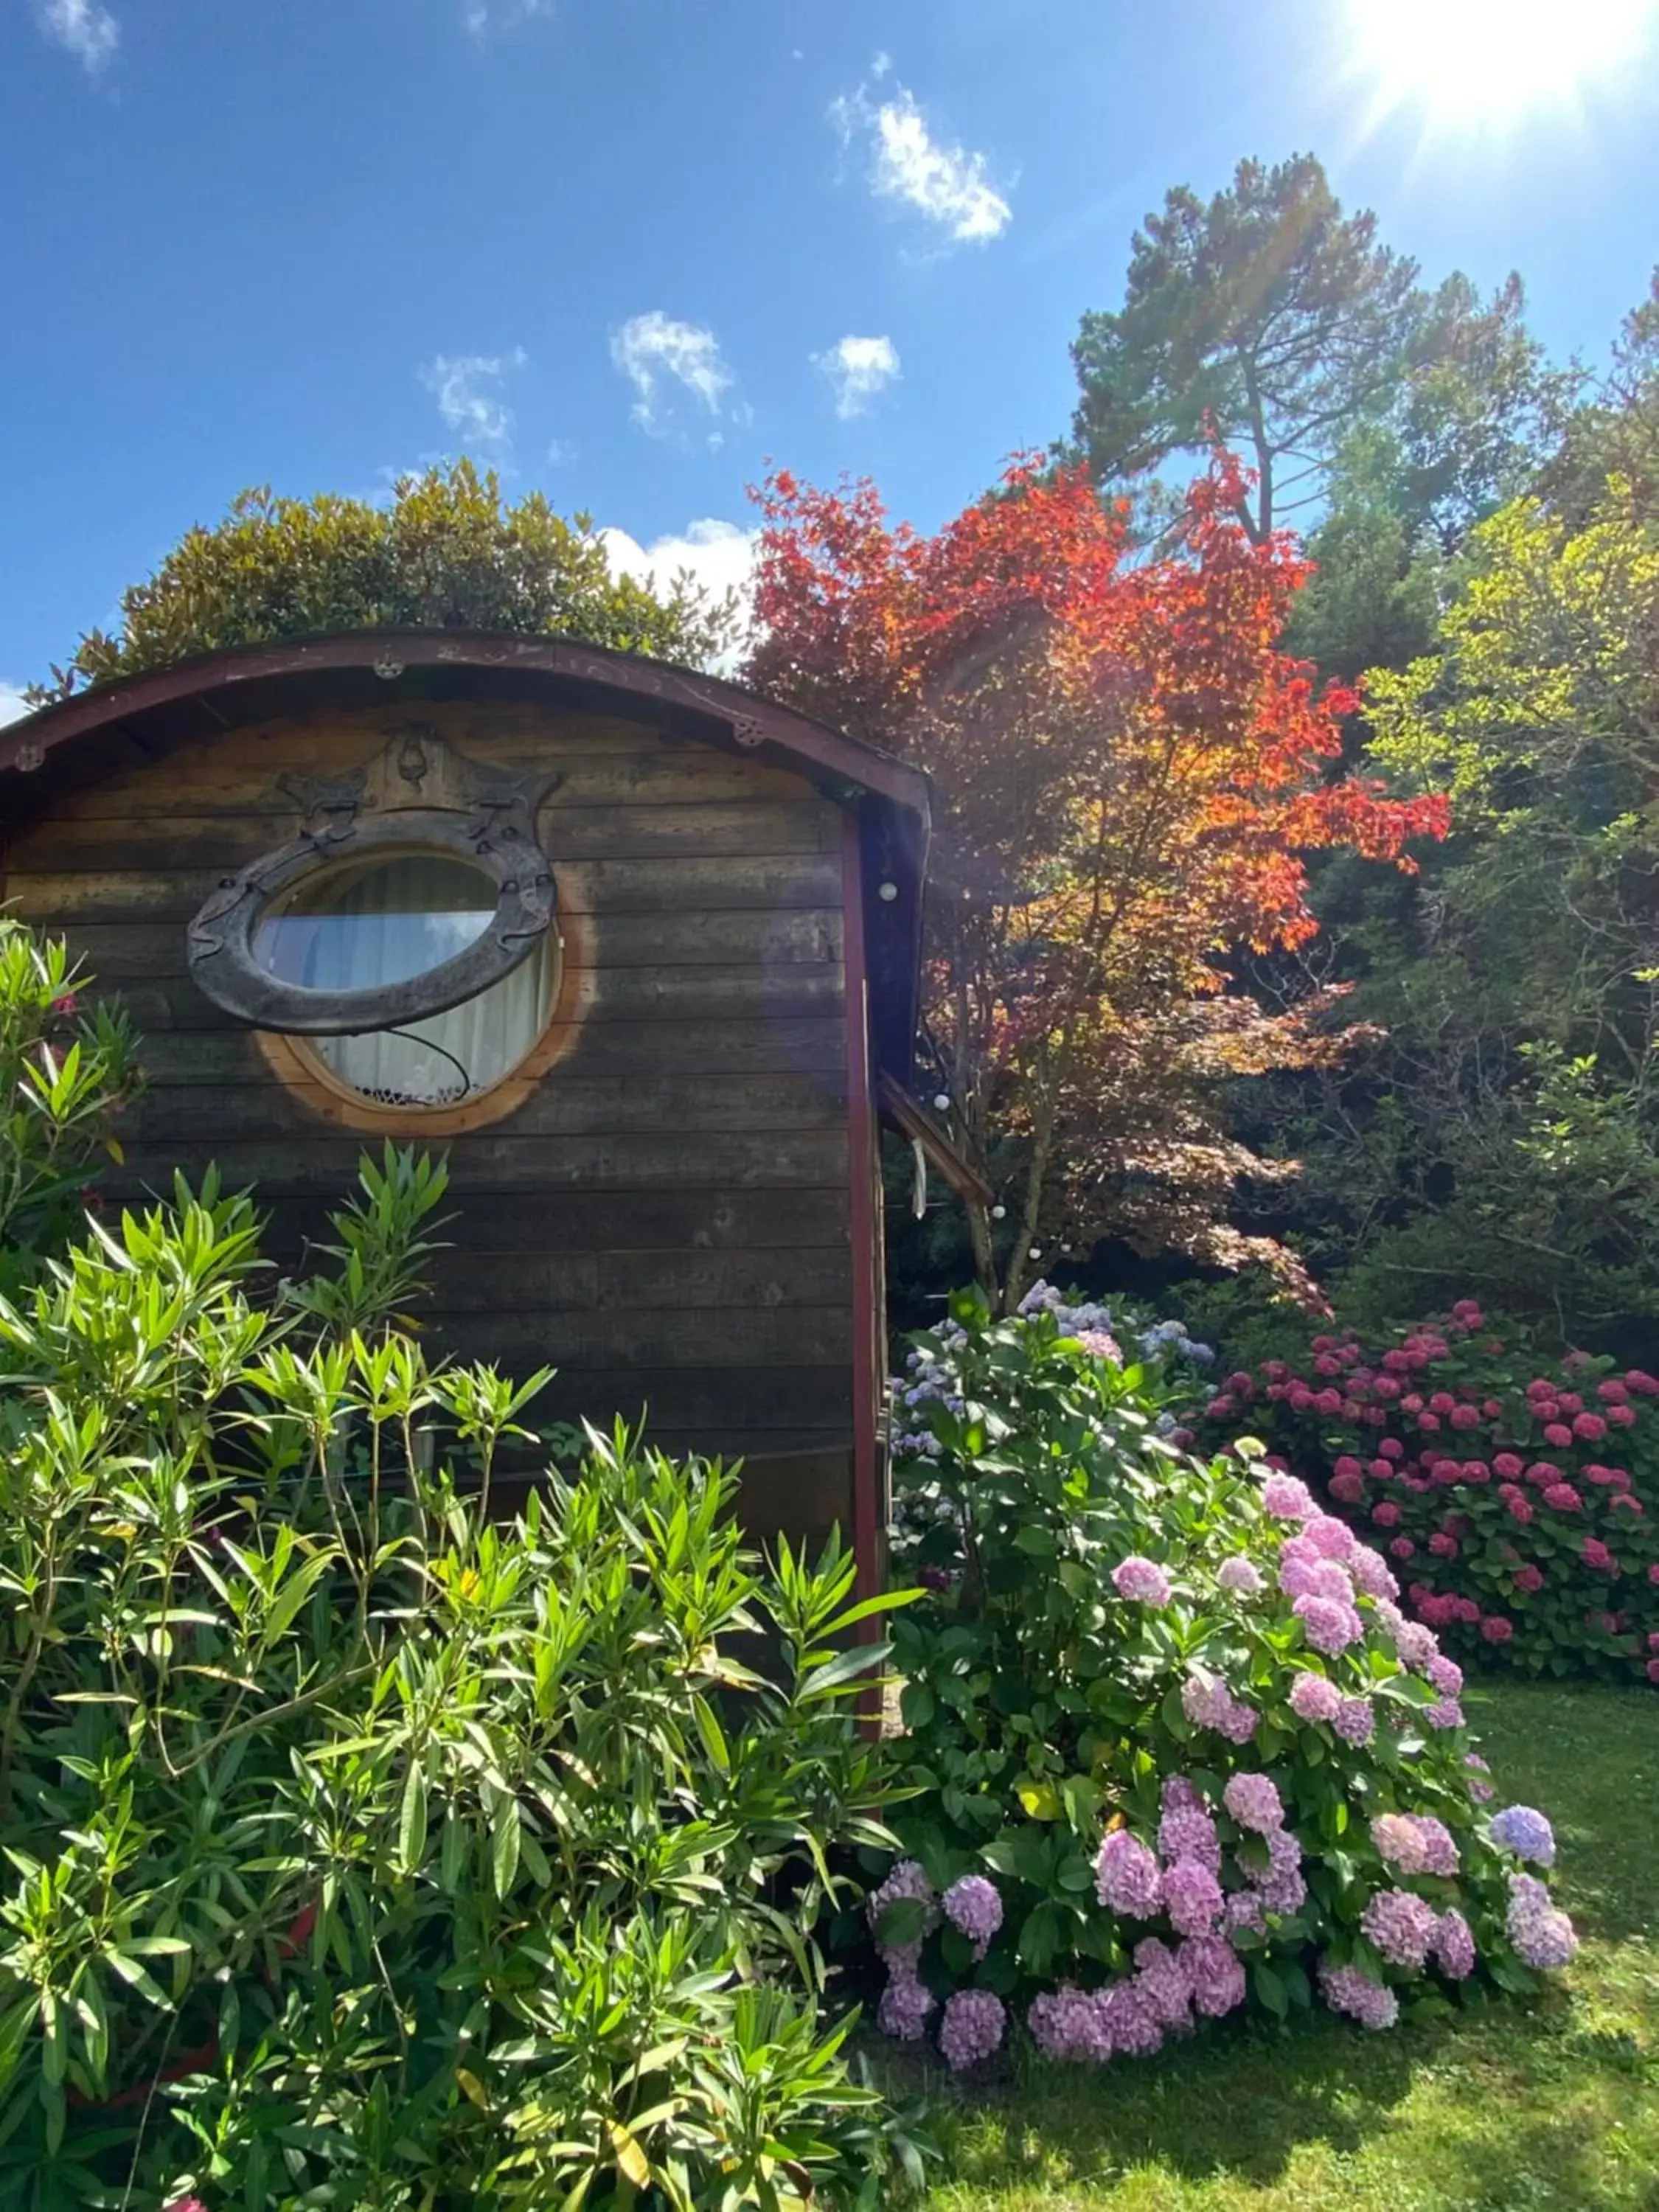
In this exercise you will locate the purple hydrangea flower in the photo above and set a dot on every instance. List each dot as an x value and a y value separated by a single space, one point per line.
973 1906
1519 1829
1331 1538
1445 1675
1415 1843
1356 1721
903 2010
1453 1947
1401 1926
906 1882
972 2028
1416 1646
1542 1935
1241 1576
1329 1625
1287 1499
1128 2027
1279 1884
1161 1985
1314 1698
1065 2024
1372 1574
1346 1989
1213 1974
1142 1579
1187 1830
1127 1877
1243 1911
1208 1702
1443 1713
1253 1801
1192 1897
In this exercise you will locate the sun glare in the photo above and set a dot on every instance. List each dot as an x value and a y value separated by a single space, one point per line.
1488 63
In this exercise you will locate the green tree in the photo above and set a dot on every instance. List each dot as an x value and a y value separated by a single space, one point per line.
444 553
1272 321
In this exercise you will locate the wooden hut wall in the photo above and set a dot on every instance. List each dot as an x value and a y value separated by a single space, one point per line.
666 1217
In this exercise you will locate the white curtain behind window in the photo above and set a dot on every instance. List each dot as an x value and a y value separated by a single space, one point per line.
388 922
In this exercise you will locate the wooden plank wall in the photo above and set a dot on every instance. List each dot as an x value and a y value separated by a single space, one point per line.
666 1217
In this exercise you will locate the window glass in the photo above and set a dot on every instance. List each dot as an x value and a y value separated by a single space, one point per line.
384 921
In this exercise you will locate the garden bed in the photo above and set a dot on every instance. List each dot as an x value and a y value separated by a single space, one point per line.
1551 2106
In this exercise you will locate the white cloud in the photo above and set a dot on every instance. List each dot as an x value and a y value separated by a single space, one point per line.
461 384
719 554
858 368
81 27
946 184
483 16
648 348
12 705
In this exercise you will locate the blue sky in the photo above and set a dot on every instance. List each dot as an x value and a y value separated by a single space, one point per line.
626 250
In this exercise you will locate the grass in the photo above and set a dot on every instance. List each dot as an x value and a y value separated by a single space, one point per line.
1550 2108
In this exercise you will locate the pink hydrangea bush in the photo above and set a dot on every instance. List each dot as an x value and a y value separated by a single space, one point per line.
1177 1748
1515 1498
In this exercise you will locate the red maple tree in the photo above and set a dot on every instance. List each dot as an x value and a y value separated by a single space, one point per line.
1128 772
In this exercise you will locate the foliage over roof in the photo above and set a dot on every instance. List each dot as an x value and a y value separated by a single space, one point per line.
444 553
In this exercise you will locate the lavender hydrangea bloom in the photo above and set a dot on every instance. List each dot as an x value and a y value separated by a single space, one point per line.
1127 1877
1253 1801
1210 1703
1066 2024
1401 1926
1443 1713
1213 1974
1315 1699
1126 2024
1356 1721
1141 1579
903 2010
1519 1829
1439 1848
1331 1538
1287 1499
1398 1845
1192 1897
973 1906
972 2028
1445 1675
1329 1625
1453 1947
1416 1646
1542 1935
1479 1789
1346 1989
907 1881
1187 1830
1161 1985
1241 1576
1280 1884
1372 1574
1242 1913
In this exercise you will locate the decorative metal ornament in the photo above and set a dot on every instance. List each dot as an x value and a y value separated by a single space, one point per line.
418 797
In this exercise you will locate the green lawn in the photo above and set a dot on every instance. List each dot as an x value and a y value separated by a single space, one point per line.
1549 2109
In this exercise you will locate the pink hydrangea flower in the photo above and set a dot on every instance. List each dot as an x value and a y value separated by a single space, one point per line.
1329 1625
1288 1499
1162 1986
1213 1973
1210 1703
1496 1628
1387 1515
1187 1830
1068 2024
1314 1698
1127 1877
1241 1576
1192 1897
1356 1721
974 1907
1453 1947
1346 1989
1529 1578
1253 1801
1142 1580
907 1882
1401 1926
1543 1936
1443 1713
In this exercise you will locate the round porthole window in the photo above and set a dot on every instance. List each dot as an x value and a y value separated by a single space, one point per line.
369 925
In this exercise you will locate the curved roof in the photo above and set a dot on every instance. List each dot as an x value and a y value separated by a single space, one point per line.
143 717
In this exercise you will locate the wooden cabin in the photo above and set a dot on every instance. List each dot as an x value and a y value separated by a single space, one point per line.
635 949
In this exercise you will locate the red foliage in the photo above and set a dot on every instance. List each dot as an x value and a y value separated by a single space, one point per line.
1129 772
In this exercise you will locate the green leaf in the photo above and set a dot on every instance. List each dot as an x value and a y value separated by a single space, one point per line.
412 1818
504 1844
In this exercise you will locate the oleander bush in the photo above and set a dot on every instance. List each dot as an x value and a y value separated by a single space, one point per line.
1517 1497
360 1852
1172 1748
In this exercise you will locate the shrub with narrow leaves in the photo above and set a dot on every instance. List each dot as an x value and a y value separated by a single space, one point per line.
1173 1714
1516 1498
